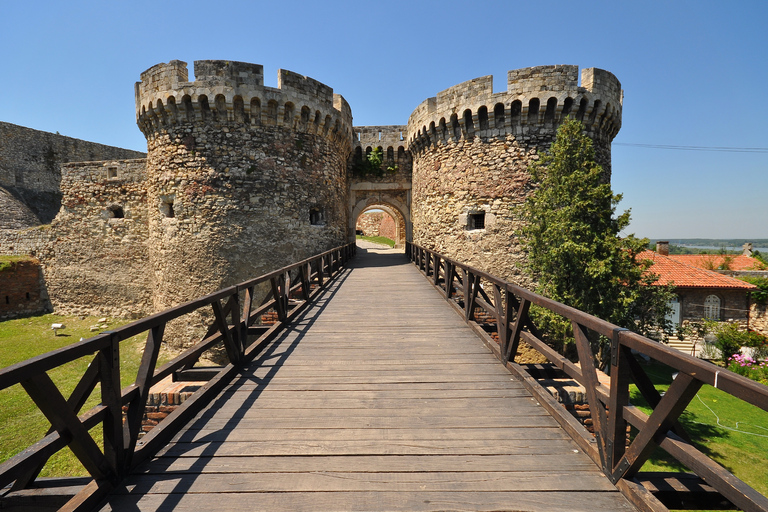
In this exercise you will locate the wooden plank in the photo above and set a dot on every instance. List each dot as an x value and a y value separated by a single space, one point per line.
388 421
209 435
534 501
372 464
349 393
377 447
328 481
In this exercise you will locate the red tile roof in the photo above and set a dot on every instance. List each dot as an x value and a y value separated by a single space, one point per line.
674 272
713 261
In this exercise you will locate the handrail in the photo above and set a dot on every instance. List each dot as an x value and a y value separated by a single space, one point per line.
508 304
233 326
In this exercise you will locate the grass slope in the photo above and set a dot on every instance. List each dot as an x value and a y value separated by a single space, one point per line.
377 240
21 423
730 431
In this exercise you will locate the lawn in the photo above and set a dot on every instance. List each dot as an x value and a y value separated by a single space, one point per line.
21 423
730 431
377 240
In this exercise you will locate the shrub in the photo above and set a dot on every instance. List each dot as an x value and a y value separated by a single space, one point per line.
749 368
761 294
730 339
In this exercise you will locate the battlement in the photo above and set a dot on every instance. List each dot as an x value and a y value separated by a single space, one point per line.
227 92
537 99
380 136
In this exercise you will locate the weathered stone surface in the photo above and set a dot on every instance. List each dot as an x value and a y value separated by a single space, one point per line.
471 151
30 168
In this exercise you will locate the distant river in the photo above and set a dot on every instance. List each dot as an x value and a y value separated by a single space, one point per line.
761 249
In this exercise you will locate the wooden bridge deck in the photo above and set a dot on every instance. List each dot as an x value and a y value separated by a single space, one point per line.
380 398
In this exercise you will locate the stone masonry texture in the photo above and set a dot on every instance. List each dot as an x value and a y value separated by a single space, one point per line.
241 178
30 169
471 150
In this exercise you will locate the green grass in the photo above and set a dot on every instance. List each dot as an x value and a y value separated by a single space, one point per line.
377 240
7 262
738 441
21 423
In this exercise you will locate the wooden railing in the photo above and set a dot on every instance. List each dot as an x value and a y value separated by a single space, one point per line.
470 289
120 411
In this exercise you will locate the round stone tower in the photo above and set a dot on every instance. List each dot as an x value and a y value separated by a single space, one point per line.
241 178
471 150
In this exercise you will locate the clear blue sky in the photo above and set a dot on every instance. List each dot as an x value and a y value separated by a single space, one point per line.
693 72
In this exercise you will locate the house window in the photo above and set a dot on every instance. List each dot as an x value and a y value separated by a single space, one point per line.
476 221
316 217
712 307
111 172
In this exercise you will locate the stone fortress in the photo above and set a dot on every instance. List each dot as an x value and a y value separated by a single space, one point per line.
240 178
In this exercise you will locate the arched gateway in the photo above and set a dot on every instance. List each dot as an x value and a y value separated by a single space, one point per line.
388 189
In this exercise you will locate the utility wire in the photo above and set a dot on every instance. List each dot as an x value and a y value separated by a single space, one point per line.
724 149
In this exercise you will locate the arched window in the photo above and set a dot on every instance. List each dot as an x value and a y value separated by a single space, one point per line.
205 108
533 111
567 106
221 108
455 126
255 111
238 109
482 117
498 115
515 110
712 307
469 125
549 114
288 115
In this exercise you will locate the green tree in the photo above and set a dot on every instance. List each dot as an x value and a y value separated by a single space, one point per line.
575 253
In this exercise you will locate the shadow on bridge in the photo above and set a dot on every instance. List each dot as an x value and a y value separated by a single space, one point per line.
274 358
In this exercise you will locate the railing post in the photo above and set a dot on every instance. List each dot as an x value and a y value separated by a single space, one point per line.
471 282
320 263
590 383
449 274
617 426
109 370
436 270
280 285
513 337
246 322
146 371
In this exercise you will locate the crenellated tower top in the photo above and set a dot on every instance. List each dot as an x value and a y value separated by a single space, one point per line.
227 92
536 99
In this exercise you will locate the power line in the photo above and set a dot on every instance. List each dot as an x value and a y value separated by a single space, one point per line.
724 149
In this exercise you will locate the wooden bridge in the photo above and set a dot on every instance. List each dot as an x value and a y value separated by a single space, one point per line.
370 393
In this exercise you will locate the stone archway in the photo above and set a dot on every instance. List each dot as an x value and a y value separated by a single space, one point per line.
394 208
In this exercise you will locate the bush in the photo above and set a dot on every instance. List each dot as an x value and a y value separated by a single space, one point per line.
730 339
761 294
749 368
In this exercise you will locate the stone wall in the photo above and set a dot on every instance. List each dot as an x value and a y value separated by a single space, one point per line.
377 224
96 263
733 304
472 148
369 223
388 228
30 168
22 291
28 241
758 317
